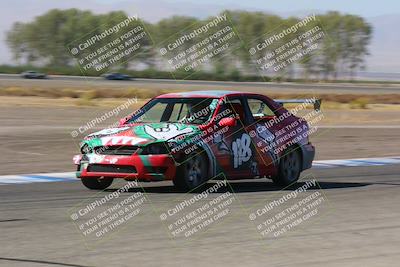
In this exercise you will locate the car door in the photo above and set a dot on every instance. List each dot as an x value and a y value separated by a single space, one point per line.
232 146
264 129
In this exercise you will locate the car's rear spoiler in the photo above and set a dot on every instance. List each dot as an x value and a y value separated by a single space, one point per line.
315 102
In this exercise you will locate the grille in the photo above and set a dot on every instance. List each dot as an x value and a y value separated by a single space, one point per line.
111 168
116 150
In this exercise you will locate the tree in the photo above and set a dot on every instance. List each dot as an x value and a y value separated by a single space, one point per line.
49 38
356 42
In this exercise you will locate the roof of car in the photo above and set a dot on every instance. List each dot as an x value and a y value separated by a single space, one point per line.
212 93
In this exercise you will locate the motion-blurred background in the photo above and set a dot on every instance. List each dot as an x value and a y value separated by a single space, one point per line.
364 36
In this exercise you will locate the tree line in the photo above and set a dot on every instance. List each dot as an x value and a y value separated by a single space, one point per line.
44 41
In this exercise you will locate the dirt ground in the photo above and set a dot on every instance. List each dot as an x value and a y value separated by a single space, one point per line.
38 139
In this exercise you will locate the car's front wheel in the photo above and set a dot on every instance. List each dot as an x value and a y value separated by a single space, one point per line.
289 168
97 183
192 173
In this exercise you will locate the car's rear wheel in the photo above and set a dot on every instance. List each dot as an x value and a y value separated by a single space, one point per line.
289 168
97 183
192 173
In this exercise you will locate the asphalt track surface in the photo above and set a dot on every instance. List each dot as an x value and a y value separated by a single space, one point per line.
358 224
82 81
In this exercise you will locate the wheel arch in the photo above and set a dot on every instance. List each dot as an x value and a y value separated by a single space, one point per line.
296 147
306 156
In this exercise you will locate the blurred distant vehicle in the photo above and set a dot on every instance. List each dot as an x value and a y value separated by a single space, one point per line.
31 74
116 76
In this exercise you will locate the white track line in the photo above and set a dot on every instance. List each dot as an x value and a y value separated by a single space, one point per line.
357 162
38 178
318 164
358 126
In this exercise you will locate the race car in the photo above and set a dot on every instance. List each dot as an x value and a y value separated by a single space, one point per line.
116 76
192 137
31 74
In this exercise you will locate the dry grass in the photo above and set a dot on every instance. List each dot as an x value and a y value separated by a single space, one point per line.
43 102
355 99
361 103
334 113
80 93
91 97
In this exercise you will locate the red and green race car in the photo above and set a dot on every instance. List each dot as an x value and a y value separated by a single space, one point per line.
193 137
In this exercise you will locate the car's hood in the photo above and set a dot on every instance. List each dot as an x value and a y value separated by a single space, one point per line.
140 134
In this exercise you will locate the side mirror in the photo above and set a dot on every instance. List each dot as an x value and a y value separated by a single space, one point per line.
227 122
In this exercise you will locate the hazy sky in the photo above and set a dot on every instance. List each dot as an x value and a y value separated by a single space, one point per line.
362 7
384 12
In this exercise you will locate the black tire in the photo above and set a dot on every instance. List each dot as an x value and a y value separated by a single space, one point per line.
192 173
289 168
97 183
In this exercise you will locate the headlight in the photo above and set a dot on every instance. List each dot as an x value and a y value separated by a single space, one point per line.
155 149
86 149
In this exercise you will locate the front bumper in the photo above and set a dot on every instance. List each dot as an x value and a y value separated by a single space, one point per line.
134 167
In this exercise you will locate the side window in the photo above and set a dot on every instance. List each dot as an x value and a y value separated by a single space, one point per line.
235 108
259 109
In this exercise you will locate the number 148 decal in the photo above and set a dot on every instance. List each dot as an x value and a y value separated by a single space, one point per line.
241 150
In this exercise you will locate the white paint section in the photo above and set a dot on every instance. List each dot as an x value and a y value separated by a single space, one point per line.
241 150
121 140
38 178
167 132
357 162
108 131
358 126
318 164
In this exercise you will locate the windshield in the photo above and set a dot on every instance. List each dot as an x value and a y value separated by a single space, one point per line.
182 110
